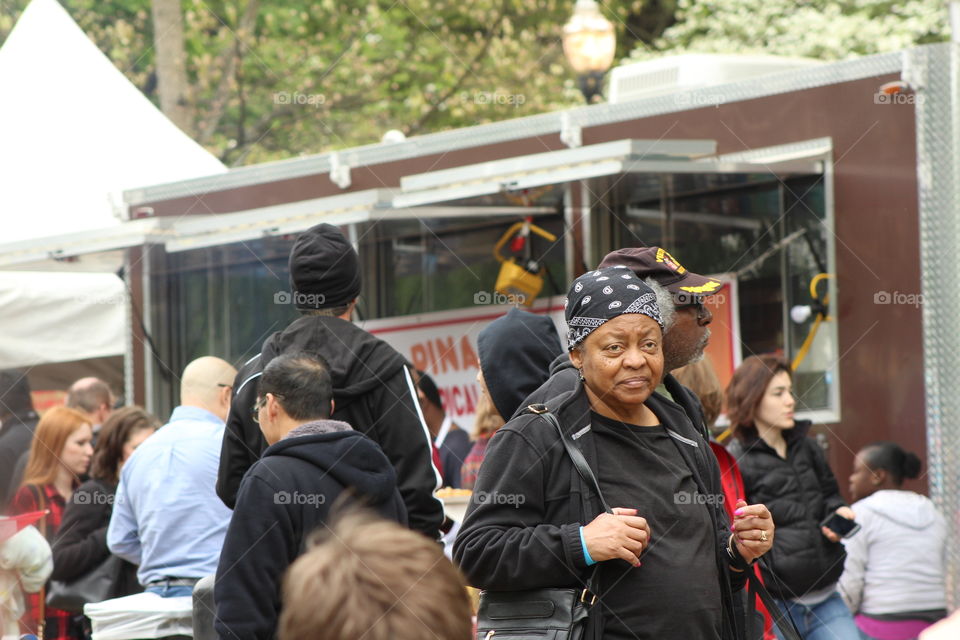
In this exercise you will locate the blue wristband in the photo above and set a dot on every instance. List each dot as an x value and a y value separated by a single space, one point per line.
586 554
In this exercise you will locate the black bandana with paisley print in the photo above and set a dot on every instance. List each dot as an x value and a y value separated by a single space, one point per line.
602 295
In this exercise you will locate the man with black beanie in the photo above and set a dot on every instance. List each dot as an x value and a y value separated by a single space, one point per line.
373 388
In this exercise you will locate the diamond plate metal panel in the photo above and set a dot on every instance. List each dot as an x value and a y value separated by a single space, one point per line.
935 73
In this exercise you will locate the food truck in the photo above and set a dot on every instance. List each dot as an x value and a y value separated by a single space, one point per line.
823 196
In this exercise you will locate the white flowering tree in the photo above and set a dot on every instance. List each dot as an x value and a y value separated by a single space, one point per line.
824 29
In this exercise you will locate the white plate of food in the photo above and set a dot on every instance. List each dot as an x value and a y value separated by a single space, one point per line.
455 502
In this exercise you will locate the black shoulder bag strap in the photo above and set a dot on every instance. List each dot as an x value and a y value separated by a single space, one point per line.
783 621
580 464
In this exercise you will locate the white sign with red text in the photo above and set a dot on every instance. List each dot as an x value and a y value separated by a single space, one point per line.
444 344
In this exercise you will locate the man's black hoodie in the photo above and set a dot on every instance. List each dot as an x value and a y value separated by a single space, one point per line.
284 497
15 437
372 392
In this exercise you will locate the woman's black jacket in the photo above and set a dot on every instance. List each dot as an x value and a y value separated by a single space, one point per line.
799 492
81 542
522 527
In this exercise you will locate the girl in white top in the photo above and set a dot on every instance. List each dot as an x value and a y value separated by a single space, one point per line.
25 565
893 578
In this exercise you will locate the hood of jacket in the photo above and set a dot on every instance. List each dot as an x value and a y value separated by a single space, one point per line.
905 508
358 361
561 363
351 458
515 352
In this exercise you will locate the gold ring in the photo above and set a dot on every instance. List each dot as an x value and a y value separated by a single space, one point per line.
763 536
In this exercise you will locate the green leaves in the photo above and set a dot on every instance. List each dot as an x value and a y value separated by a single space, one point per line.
307 76
824 29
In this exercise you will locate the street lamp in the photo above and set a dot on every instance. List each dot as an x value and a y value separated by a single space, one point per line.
589 43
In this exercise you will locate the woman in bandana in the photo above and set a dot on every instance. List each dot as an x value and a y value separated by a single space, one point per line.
670 562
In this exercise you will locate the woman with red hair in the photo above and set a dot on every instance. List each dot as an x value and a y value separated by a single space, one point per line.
59 455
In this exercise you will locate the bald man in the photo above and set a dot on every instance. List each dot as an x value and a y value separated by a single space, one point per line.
92 395
167 517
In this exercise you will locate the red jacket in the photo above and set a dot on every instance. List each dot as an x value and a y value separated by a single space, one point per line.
732 483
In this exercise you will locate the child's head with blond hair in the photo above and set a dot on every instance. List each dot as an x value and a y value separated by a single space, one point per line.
369 578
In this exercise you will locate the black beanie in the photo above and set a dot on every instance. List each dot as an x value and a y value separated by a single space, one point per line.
324 269
515 355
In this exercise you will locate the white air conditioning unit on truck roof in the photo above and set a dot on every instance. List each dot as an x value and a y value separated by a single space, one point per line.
674 74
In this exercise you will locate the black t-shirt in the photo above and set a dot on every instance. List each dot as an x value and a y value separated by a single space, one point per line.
675 593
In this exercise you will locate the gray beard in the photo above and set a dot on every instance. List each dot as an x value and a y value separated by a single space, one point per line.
698 351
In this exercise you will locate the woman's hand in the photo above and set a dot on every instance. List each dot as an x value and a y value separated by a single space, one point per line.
621 534
830 534
752 530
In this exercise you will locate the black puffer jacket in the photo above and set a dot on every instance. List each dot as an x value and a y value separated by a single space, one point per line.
799 491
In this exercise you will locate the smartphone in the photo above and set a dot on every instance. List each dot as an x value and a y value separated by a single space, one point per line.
843 527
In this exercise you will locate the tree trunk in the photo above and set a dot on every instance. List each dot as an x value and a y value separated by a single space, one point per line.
171 57
229 61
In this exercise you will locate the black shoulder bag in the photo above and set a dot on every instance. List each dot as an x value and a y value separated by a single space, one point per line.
96 585
556 613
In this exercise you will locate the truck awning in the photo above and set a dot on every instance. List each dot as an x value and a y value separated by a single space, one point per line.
421 196
89 250
593 161
195 232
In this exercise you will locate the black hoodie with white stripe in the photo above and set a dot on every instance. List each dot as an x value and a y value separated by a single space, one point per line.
372 391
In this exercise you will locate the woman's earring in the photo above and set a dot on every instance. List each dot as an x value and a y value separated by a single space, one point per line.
580 374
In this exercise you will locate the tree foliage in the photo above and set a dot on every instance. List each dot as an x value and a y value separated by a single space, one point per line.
271 80
823 29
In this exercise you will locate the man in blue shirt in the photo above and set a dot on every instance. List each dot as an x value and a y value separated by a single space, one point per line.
167 517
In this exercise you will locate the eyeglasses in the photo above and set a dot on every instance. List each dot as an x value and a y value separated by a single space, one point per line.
701 310
261 403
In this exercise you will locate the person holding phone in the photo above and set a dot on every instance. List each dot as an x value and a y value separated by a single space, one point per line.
785 470
893 579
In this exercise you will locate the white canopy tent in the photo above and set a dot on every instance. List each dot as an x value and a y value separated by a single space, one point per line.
44 323
76 133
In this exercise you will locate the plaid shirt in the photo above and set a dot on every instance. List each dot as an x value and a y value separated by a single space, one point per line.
471 464
59 623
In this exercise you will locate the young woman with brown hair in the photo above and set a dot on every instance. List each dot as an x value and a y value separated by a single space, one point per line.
787 471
